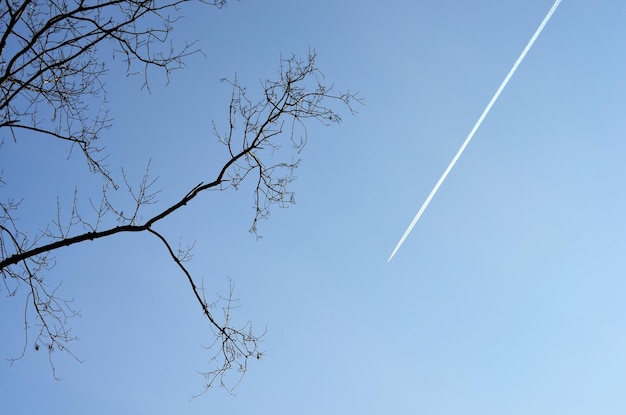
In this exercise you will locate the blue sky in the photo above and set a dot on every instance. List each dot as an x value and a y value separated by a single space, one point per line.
506 298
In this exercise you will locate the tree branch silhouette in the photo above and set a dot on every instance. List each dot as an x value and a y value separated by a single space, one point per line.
256 130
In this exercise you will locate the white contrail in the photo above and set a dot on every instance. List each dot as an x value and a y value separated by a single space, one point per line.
476 126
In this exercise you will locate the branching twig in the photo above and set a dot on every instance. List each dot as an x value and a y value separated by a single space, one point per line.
255 133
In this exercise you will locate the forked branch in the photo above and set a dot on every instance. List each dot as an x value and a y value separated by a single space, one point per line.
255 133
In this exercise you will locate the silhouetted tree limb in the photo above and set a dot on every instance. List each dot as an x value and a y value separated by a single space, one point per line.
57 68
51 69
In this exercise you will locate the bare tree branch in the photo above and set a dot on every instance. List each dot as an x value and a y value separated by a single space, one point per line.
51 69
255 133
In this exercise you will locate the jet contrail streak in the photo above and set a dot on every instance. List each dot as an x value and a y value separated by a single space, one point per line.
476 126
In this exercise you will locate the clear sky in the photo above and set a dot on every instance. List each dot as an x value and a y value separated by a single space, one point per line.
507 298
